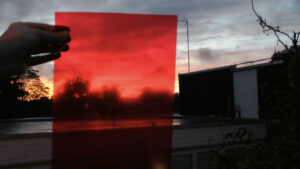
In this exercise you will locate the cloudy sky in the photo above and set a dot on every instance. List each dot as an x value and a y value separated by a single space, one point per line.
222 32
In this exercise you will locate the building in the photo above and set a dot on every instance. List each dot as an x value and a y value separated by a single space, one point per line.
233 91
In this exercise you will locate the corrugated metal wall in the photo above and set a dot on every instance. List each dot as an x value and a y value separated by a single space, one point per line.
246 92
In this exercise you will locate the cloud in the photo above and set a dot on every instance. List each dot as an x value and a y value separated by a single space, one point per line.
207 55
209 38
129 51
204 58
216 27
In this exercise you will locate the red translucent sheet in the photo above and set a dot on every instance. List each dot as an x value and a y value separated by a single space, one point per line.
113 91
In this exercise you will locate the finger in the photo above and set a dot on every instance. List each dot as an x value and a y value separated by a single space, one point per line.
61 28
60 48
46 27
32 61
50 48
53 38
64 35
65 48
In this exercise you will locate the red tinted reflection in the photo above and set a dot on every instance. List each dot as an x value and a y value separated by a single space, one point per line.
113 92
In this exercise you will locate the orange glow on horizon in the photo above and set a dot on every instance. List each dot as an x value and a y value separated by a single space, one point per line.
48 84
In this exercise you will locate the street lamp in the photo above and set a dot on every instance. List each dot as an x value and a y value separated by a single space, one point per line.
185 20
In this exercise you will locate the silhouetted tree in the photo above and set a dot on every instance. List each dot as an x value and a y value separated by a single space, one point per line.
286 83
76 100
73 98
156 101
32 84
24 96
10 91
281 109
294 38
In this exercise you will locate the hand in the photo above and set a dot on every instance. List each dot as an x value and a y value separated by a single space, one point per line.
22 40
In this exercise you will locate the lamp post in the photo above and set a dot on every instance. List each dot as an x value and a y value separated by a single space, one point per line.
185 20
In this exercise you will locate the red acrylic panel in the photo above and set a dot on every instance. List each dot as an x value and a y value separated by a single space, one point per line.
113 91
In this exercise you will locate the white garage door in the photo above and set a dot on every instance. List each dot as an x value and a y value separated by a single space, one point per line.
246 93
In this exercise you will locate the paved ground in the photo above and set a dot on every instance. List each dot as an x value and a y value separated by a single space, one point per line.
44 125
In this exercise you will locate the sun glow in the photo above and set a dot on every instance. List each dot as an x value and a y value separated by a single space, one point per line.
48 84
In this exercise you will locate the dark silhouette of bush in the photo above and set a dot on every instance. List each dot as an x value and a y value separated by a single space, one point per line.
76 98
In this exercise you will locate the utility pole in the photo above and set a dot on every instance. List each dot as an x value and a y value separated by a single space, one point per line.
185 20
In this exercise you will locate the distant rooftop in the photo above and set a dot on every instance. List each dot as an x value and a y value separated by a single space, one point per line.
239 67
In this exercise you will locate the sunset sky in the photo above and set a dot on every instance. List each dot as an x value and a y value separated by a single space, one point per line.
222 32
129 52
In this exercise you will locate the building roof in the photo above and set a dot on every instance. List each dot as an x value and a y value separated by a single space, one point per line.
237 67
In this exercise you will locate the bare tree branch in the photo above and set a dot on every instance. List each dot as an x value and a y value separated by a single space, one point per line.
276 30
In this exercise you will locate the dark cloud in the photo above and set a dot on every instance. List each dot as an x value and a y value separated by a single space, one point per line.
204 58
209 21
207 55
158 71
199 12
